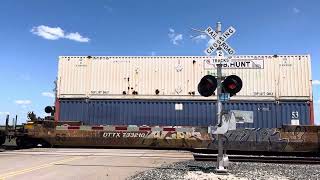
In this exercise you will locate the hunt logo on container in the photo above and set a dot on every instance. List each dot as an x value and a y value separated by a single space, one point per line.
234 63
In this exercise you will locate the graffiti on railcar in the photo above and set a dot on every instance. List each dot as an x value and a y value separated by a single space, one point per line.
300 138
286 139
177 139
260 139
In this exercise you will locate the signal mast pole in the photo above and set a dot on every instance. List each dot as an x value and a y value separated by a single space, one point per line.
220 55
231 85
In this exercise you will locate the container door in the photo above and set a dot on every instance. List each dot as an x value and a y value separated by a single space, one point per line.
294 81
73 77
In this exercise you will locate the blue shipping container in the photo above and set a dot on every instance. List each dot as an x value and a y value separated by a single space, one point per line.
267 114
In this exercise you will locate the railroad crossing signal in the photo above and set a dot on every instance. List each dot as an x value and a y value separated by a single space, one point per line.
230 86
219 41
50 109
207 85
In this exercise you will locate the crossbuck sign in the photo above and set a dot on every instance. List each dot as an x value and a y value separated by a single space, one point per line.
220 41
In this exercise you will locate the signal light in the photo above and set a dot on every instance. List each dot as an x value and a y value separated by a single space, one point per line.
207 85
232 85
49 109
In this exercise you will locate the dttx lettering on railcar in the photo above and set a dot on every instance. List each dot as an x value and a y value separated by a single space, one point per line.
124 134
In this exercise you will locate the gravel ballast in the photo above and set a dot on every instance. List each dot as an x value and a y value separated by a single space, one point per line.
196 170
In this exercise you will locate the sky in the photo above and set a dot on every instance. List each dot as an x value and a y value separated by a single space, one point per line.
34 33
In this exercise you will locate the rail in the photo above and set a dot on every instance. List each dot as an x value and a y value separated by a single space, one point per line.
263 159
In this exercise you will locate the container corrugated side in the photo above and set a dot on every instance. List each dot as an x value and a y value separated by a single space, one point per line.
180 113
101 77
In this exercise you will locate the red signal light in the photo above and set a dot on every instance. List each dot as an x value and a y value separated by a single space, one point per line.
207 85
232 85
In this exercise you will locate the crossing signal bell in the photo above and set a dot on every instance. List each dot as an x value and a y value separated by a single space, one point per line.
232 84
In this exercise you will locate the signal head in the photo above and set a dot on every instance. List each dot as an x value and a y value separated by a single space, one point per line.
49 109
207 85
232 84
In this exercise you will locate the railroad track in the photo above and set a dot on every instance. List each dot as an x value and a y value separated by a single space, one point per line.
263 159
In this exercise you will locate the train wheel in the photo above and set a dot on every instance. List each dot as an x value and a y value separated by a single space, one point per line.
23 142
20 141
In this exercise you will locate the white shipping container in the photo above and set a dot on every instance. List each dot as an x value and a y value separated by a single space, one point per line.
265 77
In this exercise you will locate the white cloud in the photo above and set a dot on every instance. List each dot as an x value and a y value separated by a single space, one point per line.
174 37
55 33
210 42
315 82
4 113
177 38
200 37
47 94
51 33
23 102
296 10
77 37
317 101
